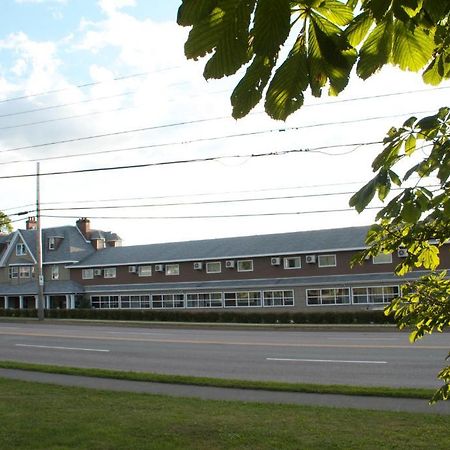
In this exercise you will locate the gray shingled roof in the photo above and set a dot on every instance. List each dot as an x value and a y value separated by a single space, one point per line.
236 247
73 246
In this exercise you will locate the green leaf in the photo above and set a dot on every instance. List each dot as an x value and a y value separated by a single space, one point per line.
249 90
364 196
285 92
335 11
410 144
359 28
410 213
192 11
411 49
376 49
271 26
378 8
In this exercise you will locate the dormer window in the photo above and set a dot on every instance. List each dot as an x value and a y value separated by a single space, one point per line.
21 249
51 243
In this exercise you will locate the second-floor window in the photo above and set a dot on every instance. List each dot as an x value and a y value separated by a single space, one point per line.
145 271
214 267
13 272
327 260
293 262
87 274
25 272
245 265
55 272
51 243
382 258
172 269
21 249
109 272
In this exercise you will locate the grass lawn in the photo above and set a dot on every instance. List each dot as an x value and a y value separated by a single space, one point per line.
38 416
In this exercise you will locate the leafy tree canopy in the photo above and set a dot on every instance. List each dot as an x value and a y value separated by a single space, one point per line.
326 38
5 223
287 47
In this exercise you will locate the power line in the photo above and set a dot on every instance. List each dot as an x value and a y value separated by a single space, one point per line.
84 85
201 194
186 161
219 216
185 142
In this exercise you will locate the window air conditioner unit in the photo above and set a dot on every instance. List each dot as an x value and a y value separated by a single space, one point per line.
159 268
229 264
132 269
97 272
198 266
310 259
275 261
402 253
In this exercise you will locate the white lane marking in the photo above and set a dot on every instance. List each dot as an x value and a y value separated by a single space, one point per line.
361 339
326 361
63 348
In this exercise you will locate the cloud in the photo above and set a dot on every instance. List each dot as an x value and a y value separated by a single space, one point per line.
41 1
111 6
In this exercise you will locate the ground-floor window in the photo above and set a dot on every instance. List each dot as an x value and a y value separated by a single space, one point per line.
168 301
328 296
242 299
376 294
278 298
204 300
237 299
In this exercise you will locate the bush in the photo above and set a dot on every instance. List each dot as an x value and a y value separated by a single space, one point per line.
214 316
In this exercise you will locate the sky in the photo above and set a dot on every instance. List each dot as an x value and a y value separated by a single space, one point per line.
85 77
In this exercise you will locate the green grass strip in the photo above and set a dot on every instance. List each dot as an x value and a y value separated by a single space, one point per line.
372 391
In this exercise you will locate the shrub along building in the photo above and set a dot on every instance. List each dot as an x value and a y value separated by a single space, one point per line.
296 271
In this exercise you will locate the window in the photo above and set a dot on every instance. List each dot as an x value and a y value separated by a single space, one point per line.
51 243
327 260
214 267
293 262
55 272
105 301
328 296
245 299
13 272
245 265
87 274
145 271
172 269
21 249
377 294
278 298
382 258
109 272
204 300
24 272
169 301
135 301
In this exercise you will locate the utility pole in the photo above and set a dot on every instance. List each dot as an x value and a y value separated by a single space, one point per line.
39 272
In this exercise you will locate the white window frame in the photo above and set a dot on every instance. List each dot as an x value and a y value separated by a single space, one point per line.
199 300
87 274
109 272
296 259
21 249
284 295
370 295
335 295
210 264
145 271
55 272
380 256
247 299
241 262
172 269
51 243
168 301
13 272
326 265
24 271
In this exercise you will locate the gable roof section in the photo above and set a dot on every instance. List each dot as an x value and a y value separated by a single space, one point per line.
16 237
301 242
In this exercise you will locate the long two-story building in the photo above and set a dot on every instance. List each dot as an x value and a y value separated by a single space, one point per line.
298 271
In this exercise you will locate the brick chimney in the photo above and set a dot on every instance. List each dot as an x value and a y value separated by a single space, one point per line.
31 223
84 225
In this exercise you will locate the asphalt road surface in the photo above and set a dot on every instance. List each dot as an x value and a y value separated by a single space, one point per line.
356 358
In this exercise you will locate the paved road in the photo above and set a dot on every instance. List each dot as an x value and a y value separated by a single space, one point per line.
358 358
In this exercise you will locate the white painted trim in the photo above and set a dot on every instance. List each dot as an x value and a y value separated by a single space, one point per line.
327 265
